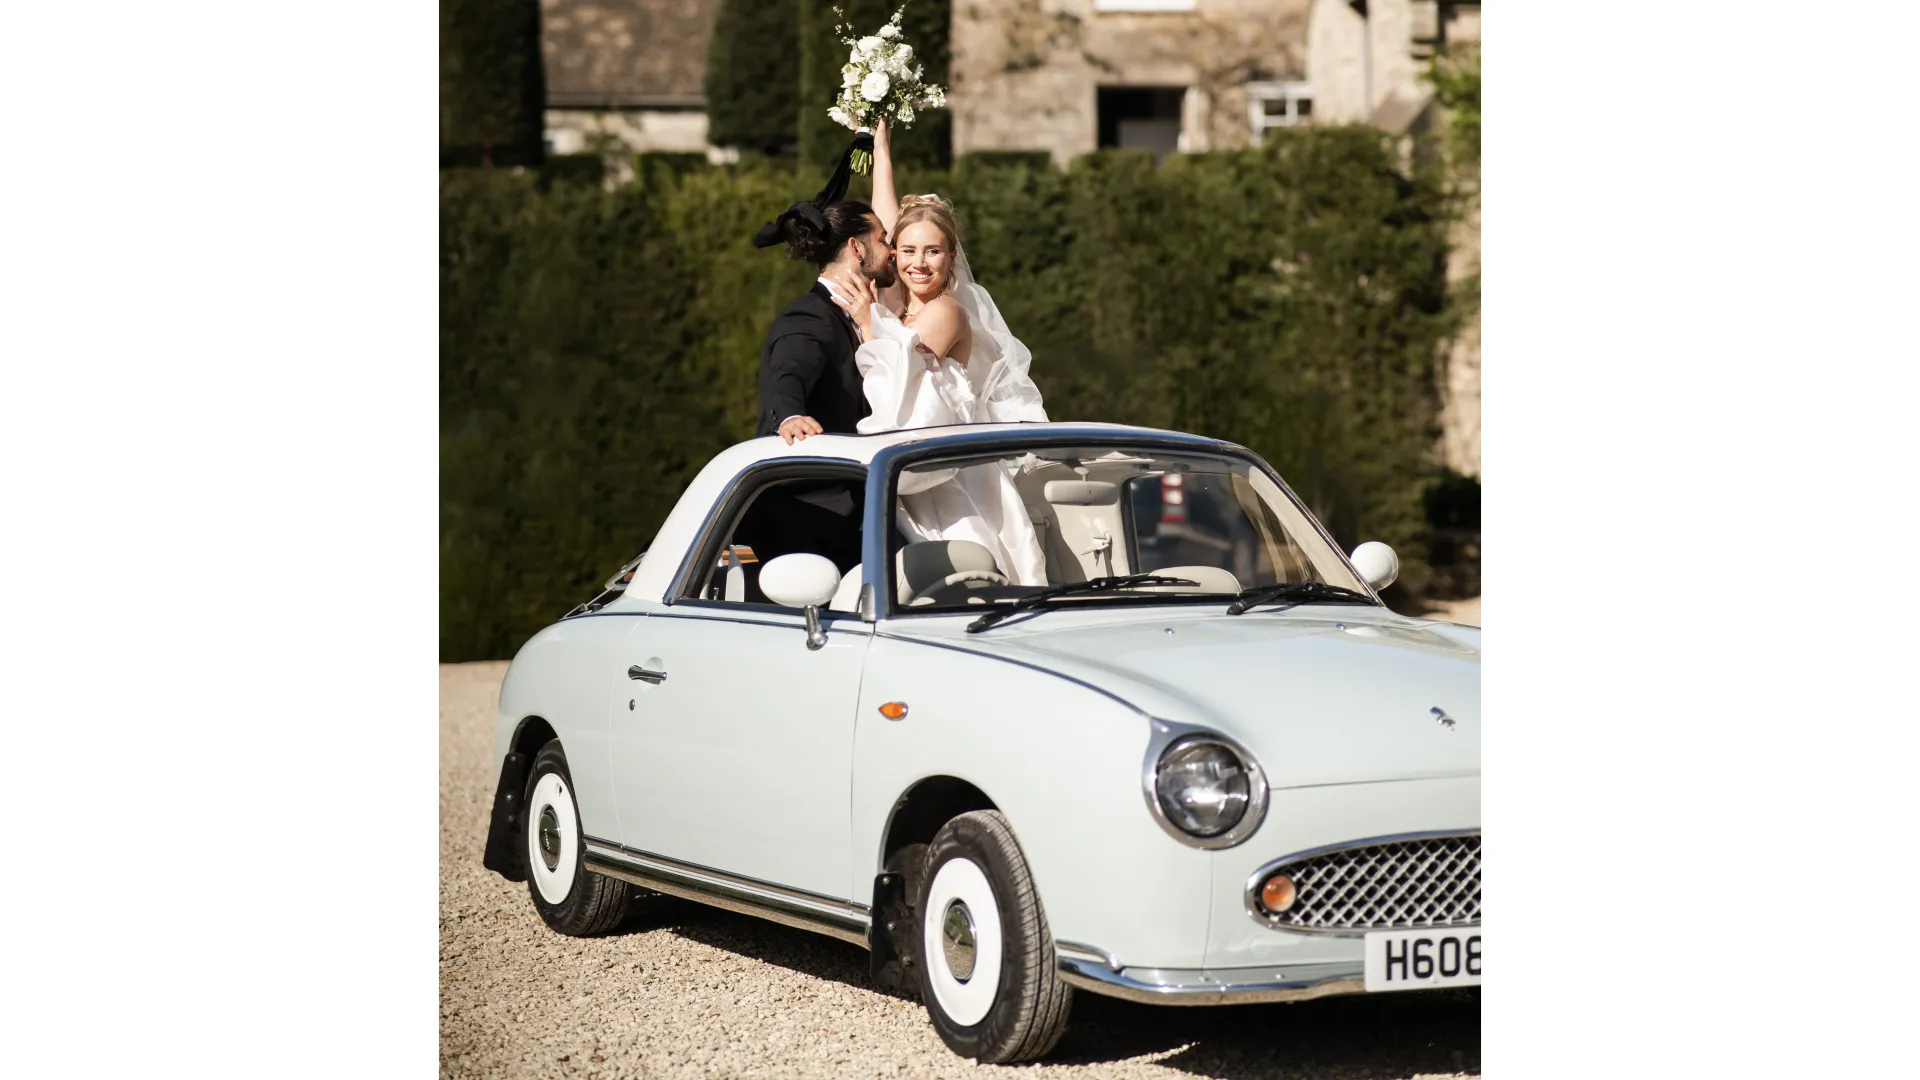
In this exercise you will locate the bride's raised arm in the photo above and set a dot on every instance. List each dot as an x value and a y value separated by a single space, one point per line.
886 201
886 204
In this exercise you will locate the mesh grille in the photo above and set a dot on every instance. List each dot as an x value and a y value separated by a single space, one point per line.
1403 885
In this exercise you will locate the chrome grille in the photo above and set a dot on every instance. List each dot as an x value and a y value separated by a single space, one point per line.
1392 885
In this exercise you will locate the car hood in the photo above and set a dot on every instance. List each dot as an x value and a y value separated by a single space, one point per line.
1330 694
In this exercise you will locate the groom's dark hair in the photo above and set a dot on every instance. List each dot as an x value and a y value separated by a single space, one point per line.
819 234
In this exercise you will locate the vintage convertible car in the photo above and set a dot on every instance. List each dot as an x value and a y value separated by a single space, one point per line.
1204 764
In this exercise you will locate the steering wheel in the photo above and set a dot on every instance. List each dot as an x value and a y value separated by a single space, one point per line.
990 576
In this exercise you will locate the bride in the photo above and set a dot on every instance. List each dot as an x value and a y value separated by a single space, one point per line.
935 351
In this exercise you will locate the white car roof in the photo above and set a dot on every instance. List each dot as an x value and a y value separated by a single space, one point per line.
669 548
862 448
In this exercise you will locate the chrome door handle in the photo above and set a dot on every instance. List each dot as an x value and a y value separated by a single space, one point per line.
654 677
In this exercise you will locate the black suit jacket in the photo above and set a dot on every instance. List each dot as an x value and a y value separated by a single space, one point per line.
807 367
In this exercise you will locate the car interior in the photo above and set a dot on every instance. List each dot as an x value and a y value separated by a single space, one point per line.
1111 514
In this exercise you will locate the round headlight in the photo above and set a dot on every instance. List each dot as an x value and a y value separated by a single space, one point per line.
1203 787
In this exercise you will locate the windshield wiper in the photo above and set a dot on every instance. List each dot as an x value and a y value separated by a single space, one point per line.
1078 588
1318 591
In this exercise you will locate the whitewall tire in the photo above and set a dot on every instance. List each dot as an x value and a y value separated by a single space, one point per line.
961 940
987 968
570 898
553 841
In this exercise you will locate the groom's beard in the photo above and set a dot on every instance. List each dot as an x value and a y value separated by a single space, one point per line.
882 275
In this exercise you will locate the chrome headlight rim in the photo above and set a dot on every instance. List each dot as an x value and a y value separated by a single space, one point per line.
1169 737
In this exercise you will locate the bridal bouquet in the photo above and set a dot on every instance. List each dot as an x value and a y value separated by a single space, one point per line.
879 80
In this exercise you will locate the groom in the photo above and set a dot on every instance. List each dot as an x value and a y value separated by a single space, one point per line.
809 383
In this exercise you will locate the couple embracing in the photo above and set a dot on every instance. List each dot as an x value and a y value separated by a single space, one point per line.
895 333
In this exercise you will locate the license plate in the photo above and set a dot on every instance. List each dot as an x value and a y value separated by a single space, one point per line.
1423 959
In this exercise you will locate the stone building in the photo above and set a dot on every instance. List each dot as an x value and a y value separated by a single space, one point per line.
626 70
1072 76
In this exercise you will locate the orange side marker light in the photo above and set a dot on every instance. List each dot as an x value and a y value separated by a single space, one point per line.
1278 894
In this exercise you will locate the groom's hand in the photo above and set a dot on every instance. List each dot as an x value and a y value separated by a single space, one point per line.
799 427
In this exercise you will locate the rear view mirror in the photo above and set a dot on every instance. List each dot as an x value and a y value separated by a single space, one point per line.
1081 493
1377 563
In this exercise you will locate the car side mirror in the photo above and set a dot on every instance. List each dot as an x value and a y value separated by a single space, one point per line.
802 581
1377 563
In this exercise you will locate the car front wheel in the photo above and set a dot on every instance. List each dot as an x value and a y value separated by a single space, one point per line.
570 898
988 972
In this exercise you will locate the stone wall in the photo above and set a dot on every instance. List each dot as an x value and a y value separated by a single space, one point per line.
1460 377
1026 73
575 131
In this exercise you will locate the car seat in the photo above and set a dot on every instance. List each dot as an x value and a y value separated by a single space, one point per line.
933 564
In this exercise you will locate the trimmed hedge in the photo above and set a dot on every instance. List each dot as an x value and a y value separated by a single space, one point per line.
753 76
928 141
493 89
598 347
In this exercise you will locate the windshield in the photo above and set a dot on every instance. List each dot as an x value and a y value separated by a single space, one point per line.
983 532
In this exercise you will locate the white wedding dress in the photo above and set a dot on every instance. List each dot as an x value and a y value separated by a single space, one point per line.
906 389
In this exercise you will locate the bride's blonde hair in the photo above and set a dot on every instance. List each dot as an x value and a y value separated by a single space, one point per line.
932 208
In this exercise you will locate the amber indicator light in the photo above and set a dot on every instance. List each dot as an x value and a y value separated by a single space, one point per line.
1277 895
894 710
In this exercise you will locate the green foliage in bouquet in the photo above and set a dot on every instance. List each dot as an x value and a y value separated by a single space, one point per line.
753 76
927 26
492 85
598 347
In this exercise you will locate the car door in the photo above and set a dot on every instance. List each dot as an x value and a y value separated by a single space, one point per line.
732 740
739 758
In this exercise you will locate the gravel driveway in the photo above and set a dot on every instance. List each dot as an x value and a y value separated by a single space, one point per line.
683 990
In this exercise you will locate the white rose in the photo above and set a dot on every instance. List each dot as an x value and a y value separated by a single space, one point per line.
839 116
903 52
874 88
889 31
849 76
866 47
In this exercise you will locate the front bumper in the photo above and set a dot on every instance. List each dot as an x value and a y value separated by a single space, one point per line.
1095 971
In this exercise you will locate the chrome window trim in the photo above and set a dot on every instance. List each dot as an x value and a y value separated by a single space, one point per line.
723 507
1167 734
770 615
1251 895
827 915
1080 967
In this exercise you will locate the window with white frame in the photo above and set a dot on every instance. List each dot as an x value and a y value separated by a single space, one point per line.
1100 6
1278 104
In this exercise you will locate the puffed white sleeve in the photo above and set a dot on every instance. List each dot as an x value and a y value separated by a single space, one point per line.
905 384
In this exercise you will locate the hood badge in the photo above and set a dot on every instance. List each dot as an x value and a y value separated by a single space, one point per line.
1441 716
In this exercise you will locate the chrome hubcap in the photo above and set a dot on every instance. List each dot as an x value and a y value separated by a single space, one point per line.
549 837
956 940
